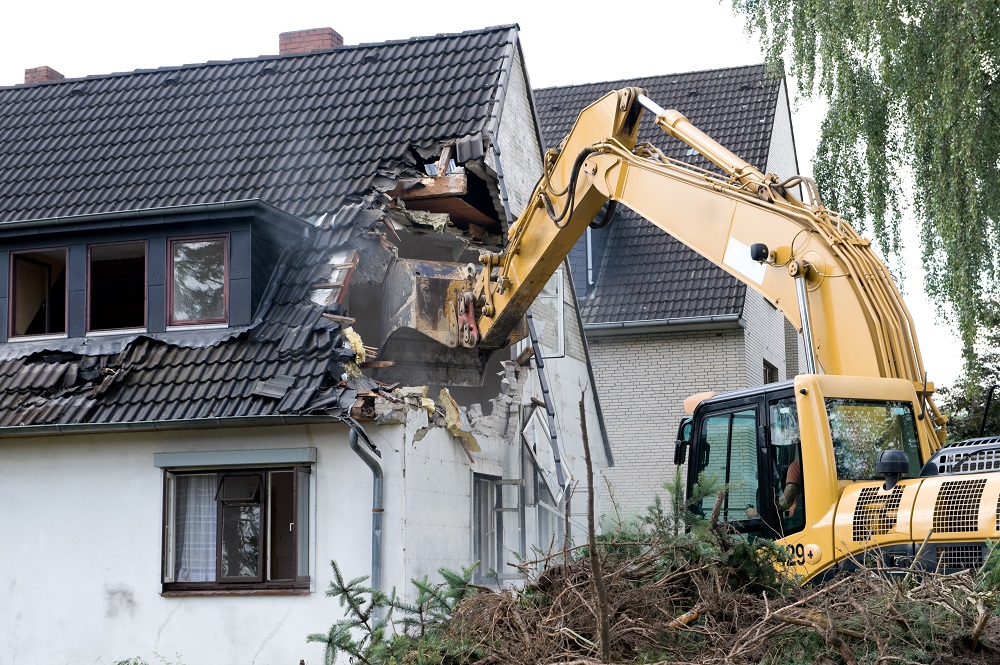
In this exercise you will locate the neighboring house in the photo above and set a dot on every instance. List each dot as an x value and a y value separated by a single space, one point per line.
662 322
187 438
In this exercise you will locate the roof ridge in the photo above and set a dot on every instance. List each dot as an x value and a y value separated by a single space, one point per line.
654 76
265 57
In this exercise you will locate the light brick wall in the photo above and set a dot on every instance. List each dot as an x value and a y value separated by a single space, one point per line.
642 381
781 157
795 354
765 338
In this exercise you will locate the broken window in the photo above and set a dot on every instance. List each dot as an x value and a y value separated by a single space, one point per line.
236 527
38 292
198 270
117 286
498 529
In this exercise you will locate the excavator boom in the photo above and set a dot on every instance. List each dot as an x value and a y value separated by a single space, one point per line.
803 258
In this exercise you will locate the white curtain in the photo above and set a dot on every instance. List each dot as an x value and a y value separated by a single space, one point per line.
195 529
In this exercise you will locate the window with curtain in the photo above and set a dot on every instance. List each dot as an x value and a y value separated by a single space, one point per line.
236 528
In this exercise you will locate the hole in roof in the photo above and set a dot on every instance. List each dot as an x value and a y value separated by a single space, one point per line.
692 93
76 92
370 57
268 70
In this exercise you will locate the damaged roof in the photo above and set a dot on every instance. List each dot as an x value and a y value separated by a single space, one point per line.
314 135
642 273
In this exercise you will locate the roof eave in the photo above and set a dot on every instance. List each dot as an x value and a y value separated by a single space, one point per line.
676 324
21 431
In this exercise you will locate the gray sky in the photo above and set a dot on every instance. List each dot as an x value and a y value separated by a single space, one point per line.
562 42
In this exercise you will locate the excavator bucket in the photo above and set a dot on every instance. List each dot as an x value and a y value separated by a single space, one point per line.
430 331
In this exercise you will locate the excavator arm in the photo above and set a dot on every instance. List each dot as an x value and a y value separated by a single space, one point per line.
805 259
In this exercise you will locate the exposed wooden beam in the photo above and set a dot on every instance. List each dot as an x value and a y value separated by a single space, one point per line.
409 189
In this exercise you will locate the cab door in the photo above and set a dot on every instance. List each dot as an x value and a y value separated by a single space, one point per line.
729 450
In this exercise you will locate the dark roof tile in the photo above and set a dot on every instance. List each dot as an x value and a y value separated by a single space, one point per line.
645 273
305 133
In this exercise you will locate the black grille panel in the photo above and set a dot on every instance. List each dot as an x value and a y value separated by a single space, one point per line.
998 513
959 557
876 513
957 506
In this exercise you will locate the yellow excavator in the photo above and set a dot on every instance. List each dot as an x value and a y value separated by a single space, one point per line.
841 465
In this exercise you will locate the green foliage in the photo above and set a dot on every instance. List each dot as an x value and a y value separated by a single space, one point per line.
965 401
367 633
912 89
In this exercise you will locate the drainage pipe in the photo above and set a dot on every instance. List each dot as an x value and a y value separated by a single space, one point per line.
377 508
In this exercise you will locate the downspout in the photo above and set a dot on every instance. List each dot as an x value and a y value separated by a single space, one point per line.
377 508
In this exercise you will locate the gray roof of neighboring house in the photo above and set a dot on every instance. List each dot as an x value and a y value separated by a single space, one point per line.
307 134
644 274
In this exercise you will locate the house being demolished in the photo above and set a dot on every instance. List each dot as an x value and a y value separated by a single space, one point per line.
198 411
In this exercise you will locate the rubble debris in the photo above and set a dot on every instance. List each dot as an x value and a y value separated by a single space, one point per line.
457 425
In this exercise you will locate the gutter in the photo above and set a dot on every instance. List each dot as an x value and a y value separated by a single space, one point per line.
714 322
182 213
11 431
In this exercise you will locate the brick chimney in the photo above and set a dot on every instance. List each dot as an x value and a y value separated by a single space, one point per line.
307 41
40 74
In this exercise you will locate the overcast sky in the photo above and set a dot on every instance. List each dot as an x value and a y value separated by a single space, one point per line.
562 42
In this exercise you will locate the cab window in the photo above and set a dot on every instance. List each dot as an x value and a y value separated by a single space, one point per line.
861 429
787 479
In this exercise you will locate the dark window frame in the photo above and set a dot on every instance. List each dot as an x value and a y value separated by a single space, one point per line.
171 241
770 373
301 473
12 291
145 284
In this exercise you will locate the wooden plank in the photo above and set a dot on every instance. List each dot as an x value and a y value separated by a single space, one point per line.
410 189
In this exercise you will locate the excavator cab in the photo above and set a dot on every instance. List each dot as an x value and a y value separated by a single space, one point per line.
789 452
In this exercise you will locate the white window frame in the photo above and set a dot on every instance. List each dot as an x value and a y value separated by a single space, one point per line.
487 527
557 280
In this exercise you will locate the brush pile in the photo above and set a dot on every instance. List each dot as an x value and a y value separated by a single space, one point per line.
677 590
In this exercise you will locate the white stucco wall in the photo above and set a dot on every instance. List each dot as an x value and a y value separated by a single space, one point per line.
81 518
520 148
567 372
80 557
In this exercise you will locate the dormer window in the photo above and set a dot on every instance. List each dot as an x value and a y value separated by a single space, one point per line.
38 292
155 274
197 271
117 286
